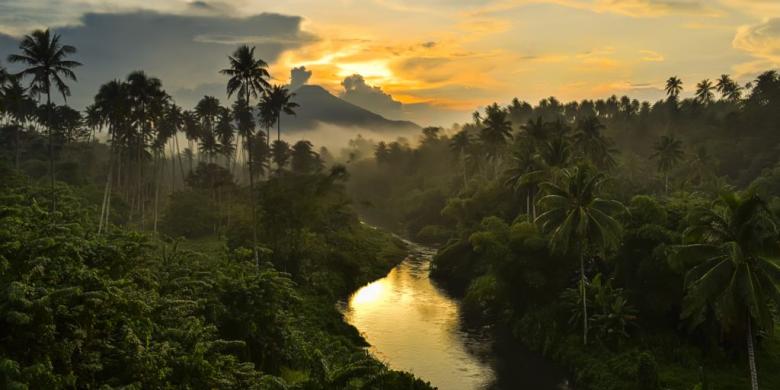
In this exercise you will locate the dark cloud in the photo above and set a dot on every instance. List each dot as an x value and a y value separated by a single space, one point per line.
359 93
184 51
299 76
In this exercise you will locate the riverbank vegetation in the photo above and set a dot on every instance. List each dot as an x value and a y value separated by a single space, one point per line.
635 243
129 261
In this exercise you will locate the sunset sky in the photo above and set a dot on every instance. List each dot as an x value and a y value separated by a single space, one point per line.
440 58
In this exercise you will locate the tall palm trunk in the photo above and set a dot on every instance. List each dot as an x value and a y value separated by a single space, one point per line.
172 150
528 205
104 208
279 127
51 149
157 179
584 300
751 355
253 198
16 144
178 155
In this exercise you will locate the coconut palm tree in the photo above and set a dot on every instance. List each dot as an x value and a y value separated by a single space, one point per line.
279 100
579 221
497 129
192 132
592 143
668 152
530 170
704 93
248 78
112 104
47 65
728 89
673 87
280 154
208 112
17 105
266 117
734 244
147 98
536 131
460 144
225 132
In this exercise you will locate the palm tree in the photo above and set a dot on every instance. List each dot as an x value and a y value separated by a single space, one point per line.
303 158
593 144
112 104
93 120
147 98
579 221
46 63
17 105
532 169
735 245
668 152
460 144
279 99
497 129
536 131
226 135
174 120
208 112
704 93
280 153
723 83
192 132
248 79
673 87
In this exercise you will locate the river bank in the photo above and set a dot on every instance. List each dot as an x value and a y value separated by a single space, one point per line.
412 324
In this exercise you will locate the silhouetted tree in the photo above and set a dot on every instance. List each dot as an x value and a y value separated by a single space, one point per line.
46 63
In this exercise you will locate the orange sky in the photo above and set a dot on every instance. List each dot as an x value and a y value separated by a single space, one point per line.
458 55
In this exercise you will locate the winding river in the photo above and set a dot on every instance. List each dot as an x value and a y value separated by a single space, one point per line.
413 325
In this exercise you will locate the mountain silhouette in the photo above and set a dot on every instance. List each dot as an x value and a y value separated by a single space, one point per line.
317 105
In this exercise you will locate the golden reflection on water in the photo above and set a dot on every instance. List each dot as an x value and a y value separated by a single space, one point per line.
412 326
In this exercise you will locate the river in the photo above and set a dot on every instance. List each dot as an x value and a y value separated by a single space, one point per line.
413 325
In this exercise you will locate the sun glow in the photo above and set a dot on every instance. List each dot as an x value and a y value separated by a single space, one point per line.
371 70
368 294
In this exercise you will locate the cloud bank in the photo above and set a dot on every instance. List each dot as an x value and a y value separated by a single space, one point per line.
184 51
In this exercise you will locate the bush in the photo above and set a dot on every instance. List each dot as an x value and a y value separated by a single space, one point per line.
647 372
189 214
482 297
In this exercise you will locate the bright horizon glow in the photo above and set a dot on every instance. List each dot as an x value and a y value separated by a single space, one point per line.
452 57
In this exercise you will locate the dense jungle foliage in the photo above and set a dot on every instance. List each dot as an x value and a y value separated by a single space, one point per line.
122 266
634 243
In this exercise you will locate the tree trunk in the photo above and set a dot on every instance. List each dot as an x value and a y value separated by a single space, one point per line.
666 183
178 156
157 178
107 190
584 297
172 149
279 127
252 197
16 143
51 150
528 205
751 355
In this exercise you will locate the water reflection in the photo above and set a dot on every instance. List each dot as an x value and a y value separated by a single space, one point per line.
413 326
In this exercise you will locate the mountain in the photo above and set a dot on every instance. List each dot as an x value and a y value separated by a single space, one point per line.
320 106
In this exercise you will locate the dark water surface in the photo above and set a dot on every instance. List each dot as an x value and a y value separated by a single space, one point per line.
413 325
